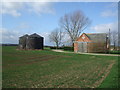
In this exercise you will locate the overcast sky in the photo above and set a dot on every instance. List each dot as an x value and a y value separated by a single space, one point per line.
19 18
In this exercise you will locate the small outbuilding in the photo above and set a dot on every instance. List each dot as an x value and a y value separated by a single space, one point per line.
23 41
33 41
91 43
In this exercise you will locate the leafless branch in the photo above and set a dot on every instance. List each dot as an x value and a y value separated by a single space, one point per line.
56 36
74 23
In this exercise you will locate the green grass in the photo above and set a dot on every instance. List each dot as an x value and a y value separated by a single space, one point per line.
48 69
114 52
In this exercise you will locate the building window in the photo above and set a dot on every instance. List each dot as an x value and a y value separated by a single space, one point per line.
83 37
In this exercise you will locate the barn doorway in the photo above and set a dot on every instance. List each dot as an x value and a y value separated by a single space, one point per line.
82 47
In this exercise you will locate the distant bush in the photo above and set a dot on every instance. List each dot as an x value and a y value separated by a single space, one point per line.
115 52
68 48
52 47
56 48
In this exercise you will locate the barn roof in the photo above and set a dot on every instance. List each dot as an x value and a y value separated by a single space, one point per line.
24 35
35 35
97 37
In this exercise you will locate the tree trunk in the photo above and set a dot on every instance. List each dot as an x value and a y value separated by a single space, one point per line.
72 44
57 45
114 45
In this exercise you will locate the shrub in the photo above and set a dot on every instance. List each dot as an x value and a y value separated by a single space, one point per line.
68 48
115 52
56 48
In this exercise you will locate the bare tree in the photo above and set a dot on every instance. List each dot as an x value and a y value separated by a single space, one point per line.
74 23
114 38
56 36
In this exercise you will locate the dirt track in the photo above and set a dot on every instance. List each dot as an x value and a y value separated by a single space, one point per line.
86 53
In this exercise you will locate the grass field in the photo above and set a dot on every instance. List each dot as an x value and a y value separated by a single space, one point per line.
48 69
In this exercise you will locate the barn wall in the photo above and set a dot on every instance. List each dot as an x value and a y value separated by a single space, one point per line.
35 43
30 43
22 42
27 42
82 47
75 47
38 43
80 39
96 47
92 47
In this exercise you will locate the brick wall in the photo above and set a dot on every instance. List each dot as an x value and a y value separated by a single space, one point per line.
91 47
86 39
80 39
75 47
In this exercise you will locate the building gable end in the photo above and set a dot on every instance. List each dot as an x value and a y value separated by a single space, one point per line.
83 38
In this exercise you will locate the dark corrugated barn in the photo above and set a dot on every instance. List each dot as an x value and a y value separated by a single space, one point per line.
33 41
22 41
91 43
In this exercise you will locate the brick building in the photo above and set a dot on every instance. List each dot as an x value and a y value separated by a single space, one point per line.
91 43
